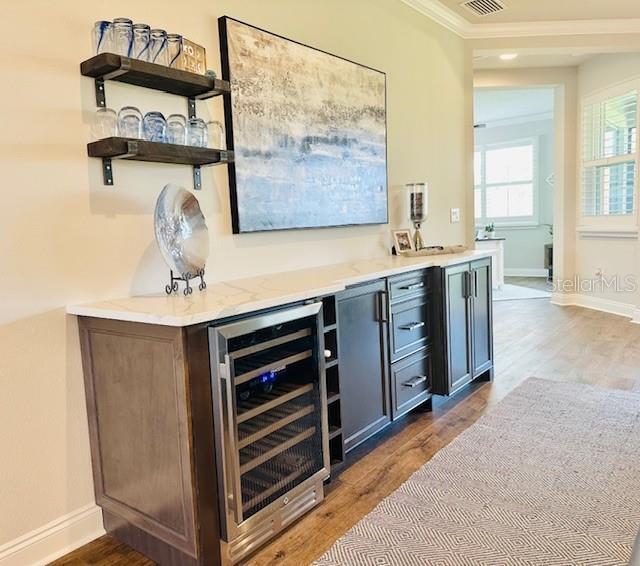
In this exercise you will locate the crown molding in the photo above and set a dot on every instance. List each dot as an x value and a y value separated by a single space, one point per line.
467 30
441 15
552 28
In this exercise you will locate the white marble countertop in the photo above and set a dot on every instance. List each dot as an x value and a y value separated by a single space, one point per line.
230 298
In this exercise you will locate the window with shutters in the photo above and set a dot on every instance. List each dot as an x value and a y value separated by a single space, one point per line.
609 153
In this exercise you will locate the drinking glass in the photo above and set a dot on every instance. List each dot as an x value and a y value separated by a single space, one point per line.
197 130
141 42
105 124
174 49
177 129
155 127
216 134
130 122
122 36
102 37
158 47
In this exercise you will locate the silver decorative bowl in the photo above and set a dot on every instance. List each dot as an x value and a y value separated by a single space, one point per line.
181 232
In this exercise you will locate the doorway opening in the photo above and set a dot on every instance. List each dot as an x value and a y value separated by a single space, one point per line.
514 175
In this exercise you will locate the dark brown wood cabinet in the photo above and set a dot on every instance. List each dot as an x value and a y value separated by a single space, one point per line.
394 343
462 312
364 376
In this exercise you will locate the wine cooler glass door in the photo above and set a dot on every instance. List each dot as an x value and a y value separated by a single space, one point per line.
270 409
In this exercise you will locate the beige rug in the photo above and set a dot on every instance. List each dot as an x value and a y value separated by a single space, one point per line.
551 476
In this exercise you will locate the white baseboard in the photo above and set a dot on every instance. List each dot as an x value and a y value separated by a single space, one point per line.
525 272
598 304
55 539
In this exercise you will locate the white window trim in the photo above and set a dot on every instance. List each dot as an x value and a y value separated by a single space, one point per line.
604 222
532 221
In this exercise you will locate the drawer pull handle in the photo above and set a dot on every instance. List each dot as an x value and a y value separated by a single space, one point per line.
415 381
413 286
411 326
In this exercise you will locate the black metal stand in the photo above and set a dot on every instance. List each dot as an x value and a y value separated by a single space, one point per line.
186 277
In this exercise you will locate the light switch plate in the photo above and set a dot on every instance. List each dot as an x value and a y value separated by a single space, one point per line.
455 215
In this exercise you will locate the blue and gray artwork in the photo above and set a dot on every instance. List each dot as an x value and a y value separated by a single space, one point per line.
309 135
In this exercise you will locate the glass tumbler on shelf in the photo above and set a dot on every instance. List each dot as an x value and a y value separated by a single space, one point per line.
105 124
122 36
154 127
130 122
177 129
197 132
158 47
102 37
418 204
216 135
174 48
141 42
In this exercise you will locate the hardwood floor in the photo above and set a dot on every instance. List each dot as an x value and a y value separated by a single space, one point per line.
539 283
532 338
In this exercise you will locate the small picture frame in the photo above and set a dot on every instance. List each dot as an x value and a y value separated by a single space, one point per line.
403 241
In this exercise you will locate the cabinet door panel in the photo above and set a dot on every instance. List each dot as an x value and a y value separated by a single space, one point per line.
481 319
458 323
364 380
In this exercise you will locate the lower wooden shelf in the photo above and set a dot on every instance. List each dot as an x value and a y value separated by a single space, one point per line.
143 150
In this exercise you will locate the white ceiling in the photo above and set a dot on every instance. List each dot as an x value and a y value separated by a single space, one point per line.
529 18
504 105
552 10
493 61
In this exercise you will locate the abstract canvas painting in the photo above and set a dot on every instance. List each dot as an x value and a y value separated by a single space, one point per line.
309 134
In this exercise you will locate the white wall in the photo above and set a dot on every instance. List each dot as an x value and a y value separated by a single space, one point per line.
68 239
615 257
524 246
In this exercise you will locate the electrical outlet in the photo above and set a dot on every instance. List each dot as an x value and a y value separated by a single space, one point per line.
455 215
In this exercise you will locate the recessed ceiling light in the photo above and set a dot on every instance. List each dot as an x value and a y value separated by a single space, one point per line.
508 56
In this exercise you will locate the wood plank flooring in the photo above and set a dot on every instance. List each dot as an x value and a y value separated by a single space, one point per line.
532 338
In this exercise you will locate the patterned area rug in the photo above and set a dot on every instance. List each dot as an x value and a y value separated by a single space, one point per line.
551 476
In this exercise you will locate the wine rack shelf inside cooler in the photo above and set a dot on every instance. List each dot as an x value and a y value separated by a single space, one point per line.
281 393
266 423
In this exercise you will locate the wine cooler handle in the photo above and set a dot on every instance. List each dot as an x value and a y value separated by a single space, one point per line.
234 498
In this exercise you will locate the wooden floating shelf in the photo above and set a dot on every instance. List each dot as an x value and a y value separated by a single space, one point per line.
109 66
142 150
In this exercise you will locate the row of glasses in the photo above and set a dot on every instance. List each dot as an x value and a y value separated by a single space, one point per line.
123 37
175 129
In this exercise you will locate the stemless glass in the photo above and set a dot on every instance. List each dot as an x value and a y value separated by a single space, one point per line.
174 48
198 135
122 36
102 37
158 47
155 127
141 42
177 129
216 134
105 124
130 122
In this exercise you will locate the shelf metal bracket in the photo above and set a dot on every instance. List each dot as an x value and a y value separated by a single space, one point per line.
107 171
197 177
101 98
191 102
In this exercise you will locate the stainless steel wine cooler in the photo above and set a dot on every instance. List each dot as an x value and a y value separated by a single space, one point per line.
270 414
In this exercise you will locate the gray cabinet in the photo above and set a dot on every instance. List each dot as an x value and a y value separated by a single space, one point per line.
481 317
463 315
364 379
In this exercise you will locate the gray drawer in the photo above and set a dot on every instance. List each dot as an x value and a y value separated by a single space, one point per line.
402 287
411 382
409 327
